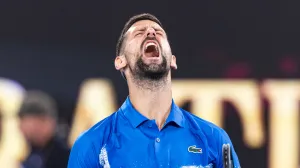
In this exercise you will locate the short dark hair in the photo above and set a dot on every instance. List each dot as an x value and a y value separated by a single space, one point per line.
38 103
129 23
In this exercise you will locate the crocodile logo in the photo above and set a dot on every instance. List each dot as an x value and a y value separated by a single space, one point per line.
193 149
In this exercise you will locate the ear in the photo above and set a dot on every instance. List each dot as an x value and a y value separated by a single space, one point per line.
120 62
173 62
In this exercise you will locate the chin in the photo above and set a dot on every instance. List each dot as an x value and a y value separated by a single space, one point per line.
153 61
152 68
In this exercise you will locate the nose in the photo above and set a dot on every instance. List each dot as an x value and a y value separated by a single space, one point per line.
151 32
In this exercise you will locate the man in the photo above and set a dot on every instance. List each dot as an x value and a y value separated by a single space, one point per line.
38 115
149 129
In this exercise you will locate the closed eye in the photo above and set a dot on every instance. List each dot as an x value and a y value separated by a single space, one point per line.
160 33
139 33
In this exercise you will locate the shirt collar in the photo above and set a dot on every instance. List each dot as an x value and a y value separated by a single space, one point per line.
176 115
136 118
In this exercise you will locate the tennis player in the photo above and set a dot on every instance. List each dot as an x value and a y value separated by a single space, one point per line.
149 130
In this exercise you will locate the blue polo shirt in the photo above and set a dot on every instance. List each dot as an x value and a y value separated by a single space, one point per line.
127 139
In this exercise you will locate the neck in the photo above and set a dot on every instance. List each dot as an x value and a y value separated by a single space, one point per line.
153 100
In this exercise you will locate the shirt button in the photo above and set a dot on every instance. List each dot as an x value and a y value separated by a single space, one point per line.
157 140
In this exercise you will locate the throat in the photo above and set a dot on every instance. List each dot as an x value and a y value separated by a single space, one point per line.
158 112
153 105
151 85
154 82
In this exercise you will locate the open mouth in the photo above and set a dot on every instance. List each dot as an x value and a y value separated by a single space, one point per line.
151 49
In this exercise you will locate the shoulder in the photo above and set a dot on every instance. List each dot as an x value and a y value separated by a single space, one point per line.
213 135
97 134
85 150
59 153
60 145
209 129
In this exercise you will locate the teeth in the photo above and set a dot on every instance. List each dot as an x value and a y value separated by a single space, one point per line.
149 44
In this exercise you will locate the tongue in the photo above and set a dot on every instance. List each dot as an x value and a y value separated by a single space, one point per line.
151 51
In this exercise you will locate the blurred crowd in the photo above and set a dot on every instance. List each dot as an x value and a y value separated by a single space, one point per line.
38 116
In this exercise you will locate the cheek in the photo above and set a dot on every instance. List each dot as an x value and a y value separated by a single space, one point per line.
29 125
132 52
166 47
133 47
29 128
46 127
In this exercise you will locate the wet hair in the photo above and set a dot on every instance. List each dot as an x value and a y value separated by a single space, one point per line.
129 23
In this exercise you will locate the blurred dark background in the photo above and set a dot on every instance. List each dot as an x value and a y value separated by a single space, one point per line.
54 45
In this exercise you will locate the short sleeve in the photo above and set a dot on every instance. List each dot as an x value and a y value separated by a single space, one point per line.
225 139
83 154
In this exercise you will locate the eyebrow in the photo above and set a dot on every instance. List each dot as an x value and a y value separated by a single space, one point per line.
145 27
157 28
140 29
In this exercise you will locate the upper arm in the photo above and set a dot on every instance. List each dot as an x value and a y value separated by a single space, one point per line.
83 154
225 139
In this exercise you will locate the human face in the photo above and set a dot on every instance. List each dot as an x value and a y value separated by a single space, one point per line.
147 50
37 129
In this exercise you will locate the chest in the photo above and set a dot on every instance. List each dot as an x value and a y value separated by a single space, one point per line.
169 149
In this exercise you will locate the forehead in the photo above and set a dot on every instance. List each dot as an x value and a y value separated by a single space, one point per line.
143 24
